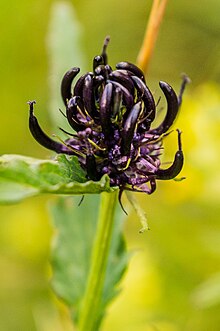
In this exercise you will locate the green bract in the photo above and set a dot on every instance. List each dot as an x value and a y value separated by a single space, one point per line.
22 177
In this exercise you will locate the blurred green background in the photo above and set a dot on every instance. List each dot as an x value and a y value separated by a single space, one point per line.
173 280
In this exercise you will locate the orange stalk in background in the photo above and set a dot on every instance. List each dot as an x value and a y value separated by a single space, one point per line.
150 37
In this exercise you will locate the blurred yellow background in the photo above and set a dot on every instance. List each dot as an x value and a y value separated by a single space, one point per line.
173 280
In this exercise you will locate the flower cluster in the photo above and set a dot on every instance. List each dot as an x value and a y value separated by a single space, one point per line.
111 113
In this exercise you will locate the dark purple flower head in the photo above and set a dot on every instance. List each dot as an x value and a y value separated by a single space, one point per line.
111 112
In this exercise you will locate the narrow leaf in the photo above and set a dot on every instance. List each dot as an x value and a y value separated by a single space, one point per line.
71 253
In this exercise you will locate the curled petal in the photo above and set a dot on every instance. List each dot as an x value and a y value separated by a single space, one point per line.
105 109
71 114
41 137
117 101
124 72
98 80
131 67
129 128
124 80
172 109
88 96
177 165
127 97
67 82
103 70
78 88
97 61
148 99
98 89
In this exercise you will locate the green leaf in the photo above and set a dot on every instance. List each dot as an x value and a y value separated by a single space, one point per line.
72 248
22 177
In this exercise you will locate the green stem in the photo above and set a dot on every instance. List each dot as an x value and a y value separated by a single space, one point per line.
90 307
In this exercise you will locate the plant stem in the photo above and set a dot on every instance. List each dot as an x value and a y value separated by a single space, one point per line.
151 33
139 211
89 311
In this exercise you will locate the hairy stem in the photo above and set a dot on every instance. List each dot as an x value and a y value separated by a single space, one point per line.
93 294
151 33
